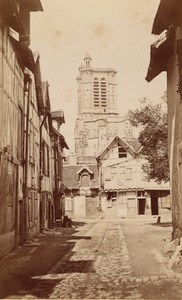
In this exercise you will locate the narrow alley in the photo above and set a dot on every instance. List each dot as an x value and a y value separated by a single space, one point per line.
97 258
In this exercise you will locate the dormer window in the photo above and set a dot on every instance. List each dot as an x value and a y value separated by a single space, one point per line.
85 180
121 152
85 175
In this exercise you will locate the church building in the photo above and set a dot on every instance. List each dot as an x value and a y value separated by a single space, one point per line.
105 173
98 120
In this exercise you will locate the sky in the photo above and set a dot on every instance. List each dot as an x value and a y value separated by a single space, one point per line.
116 33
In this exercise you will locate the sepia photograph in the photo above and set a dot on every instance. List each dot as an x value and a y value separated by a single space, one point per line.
91 149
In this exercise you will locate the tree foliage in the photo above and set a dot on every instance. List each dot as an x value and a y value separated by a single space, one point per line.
152 120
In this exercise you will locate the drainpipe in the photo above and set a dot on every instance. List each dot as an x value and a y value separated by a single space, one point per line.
25 185
179 54
40 151
56 181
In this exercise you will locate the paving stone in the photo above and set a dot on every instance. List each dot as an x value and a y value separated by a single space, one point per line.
99 268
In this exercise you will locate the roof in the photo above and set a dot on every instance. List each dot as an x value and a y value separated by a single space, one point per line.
11 15
71 177
87 56
26 56
169 13
160 53
34 5
85 168
135 145
58 116
62 139
132 146
86 160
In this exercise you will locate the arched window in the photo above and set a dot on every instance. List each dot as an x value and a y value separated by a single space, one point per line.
100 92
85 180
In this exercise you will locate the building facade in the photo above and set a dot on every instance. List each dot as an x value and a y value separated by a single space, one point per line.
15 56
81 180
58 146
166 55
125 188
31 149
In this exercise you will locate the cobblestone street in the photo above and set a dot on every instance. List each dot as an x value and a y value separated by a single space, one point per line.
104 264
100 265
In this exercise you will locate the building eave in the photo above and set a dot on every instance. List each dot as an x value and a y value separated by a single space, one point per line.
169 13
34 5
120 142
11 15
159 55
61 137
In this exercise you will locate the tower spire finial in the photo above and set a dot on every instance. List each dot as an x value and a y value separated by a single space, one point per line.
87 60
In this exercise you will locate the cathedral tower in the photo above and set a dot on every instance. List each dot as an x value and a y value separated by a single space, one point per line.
96 89
98 119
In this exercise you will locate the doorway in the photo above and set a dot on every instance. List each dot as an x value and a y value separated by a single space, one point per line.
154 205
141 206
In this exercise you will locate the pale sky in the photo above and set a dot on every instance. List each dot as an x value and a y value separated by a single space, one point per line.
116 33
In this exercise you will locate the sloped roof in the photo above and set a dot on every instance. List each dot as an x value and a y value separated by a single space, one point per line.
160 53
62 139
87 56
132 146
135 145
86 160
34 5
85 168
71 177
169 13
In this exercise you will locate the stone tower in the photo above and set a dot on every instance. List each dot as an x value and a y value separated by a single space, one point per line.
98 119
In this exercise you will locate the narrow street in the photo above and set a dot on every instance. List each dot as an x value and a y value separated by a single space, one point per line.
99 258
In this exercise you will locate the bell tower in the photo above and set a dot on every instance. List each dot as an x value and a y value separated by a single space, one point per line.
96 89
97 108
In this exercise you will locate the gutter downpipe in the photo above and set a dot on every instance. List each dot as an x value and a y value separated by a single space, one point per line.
40 175
25 189
40 164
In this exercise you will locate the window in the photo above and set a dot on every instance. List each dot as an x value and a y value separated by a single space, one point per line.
96 92
85 180
68 204
103 87
100 92
121 152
